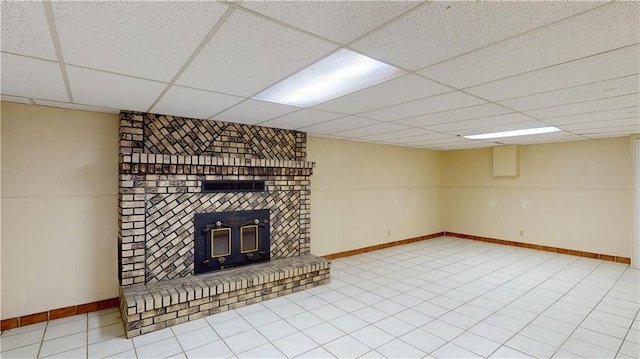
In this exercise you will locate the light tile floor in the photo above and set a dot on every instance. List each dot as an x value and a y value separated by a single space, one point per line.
443 298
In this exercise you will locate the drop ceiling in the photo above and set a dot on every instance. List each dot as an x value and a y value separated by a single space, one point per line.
470 67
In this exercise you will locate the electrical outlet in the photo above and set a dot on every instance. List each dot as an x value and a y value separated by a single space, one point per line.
388 233
521 233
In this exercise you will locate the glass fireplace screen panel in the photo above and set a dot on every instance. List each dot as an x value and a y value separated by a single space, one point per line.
248 239
220 242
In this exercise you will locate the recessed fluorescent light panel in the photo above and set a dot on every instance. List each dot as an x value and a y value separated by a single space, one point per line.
526 132
336 75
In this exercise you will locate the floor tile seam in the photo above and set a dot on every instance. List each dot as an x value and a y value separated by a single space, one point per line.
178 340
468 302
585 317
626 335
537 315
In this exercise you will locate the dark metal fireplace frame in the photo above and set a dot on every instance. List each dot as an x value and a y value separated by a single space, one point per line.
232 224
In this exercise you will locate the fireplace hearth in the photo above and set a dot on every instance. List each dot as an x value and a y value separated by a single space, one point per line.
230 239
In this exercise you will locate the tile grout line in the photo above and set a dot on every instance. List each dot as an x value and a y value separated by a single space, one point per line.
594 307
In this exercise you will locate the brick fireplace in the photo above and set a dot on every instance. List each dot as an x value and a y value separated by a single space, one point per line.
166 165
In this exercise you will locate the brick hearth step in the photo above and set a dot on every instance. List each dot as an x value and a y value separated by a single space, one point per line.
151 307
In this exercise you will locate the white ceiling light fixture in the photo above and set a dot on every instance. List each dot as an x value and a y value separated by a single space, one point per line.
525 132
336 75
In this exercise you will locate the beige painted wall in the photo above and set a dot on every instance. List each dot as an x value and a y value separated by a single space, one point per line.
58 200
59 208
574 195
366 194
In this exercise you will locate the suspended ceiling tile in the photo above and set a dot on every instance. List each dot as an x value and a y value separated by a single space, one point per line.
485 110
302 118
402 89
97 88
444 102
606 125
599 116
628 129
610 88
421 138
451 139
182 101
440 30
25 30
341 124
27 77
601 67
75 106
586 107
145 39
15 99
480 122
249 53
341 21
403 133
611 134
371 130
254 111
605 28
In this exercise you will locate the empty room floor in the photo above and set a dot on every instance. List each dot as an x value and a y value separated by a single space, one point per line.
443 298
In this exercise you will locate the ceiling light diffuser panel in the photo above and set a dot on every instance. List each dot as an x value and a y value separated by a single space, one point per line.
336 75
525 132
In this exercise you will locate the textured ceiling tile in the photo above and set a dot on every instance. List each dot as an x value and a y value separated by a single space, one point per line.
371 130
249 53
341 124
489 109
633 122
96 88
444 102
441 30
596 116
393 135
402 89
622 132
585 107
75 106
420 138
605 28
27 77
340 21
480 122
25 30
601 67
186 102
303 118
146 39
253 112
598 90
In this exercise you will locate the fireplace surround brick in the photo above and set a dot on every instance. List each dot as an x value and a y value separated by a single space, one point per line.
163 161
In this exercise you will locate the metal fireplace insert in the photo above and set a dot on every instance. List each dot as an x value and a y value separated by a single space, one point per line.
230 239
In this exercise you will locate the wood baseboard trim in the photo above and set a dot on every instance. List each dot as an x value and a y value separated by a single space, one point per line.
539 247
12 323
353 252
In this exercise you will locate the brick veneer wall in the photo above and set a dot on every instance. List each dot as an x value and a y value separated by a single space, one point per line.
162 163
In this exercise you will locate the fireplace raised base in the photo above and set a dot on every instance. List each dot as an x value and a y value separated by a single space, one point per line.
147 308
